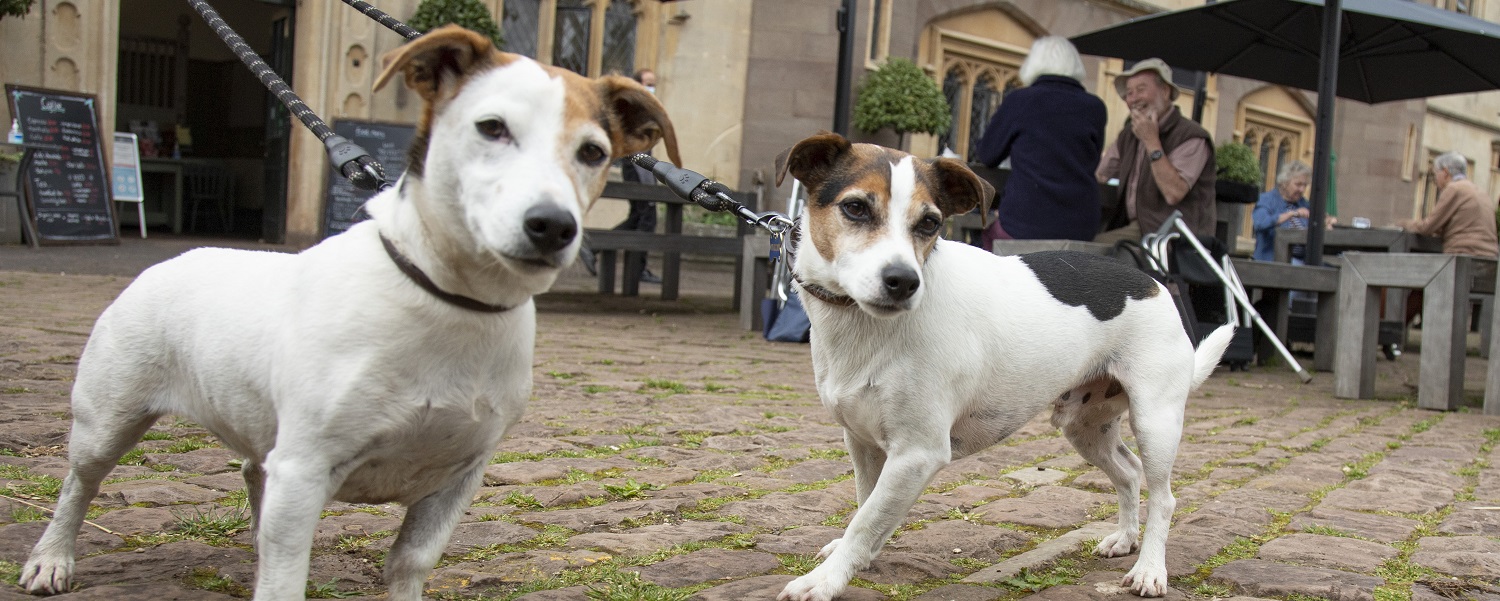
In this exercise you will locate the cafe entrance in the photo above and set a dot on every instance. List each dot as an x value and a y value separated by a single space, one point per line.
213 143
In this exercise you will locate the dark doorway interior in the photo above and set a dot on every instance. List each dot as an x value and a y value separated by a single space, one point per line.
207 134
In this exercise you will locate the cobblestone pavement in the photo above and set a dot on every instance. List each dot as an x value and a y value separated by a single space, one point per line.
666 454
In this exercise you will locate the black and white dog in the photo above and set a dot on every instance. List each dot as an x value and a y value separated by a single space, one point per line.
928 350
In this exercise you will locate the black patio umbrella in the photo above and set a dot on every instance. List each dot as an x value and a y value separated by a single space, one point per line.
1387 50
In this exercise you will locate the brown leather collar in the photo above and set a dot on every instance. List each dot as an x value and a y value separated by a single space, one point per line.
421 280
789 254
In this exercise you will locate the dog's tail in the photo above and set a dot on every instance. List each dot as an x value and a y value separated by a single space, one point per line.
1206 358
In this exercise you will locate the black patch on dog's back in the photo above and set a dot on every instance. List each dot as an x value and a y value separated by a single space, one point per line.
1096 283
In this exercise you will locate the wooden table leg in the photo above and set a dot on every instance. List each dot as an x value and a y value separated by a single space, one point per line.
1445 305
1354 361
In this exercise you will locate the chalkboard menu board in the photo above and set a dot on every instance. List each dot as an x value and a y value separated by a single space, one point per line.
67 185
387 143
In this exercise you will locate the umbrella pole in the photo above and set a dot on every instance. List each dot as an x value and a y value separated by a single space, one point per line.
845 22
1328 75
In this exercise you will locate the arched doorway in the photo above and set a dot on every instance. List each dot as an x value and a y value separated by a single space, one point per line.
200 113
975 56
1278 127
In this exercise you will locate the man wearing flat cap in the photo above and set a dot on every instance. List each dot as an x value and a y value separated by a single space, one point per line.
1164 162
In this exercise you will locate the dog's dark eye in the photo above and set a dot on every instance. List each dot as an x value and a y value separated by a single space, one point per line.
493 129
591 154
856 210
929 225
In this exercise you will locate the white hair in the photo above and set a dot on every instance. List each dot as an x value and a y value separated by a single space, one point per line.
1052 55
1292 170
1452 162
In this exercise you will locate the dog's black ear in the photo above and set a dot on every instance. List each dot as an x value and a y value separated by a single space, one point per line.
439 60
640 118
811 160
959 189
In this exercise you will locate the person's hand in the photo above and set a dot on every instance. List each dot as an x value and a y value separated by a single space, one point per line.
1303 213
1328 221
1143 124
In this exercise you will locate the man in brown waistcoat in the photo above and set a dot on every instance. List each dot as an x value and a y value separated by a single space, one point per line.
1164 162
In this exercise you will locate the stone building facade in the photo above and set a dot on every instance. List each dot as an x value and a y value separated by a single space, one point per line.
743 80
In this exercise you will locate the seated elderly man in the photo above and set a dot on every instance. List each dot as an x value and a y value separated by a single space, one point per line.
1462 217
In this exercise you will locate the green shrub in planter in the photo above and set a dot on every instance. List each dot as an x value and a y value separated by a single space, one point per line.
15 8
900 96
470 14
1239 173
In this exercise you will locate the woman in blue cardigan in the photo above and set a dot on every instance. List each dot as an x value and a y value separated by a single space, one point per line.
1052 131
1283 207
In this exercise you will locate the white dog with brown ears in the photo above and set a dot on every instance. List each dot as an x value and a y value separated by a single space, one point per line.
928 350
386 363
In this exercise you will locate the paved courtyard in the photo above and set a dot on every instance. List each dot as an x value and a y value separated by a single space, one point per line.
667 454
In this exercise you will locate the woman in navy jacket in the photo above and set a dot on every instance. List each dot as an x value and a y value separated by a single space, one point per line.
1052 131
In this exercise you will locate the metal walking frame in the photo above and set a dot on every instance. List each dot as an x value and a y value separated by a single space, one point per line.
781 271
1158 250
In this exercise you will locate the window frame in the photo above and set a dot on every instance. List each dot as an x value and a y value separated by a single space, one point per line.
547 33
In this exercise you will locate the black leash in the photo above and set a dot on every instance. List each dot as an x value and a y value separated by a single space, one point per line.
353 162
709 194
384 19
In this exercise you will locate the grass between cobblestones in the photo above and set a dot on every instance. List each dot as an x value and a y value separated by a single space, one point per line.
611 580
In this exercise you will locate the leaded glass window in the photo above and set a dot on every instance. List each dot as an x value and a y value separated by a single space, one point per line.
953 87
519 25
619 38
983 104
570 43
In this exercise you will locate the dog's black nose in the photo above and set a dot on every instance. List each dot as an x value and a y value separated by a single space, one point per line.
900 281
549 227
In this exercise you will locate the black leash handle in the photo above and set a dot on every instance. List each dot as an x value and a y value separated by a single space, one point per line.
707 193
383 18
352 161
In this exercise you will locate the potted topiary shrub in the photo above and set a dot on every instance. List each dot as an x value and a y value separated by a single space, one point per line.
469 14
1239 173
901 97
15 8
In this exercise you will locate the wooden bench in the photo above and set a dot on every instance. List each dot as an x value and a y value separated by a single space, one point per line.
1276 281
671 243
1446 282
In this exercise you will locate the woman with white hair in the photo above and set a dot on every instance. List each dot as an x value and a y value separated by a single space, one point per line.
1283 207
1462 217
1052 131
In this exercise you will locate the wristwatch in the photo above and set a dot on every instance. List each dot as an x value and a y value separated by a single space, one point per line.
1155 154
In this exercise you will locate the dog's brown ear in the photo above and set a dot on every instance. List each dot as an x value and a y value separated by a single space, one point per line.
959 189
641 119
438 60
811 160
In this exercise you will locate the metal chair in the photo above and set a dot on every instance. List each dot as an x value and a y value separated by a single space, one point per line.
211 185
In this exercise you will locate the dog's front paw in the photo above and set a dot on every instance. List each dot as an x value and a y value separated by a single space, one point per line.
1118 544
829 548
815 586
47 577
1146 582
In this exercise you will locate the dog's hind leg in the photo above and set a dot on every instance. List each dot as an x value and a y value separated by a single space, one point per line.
1089 417
424 534
1156 417
98 440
